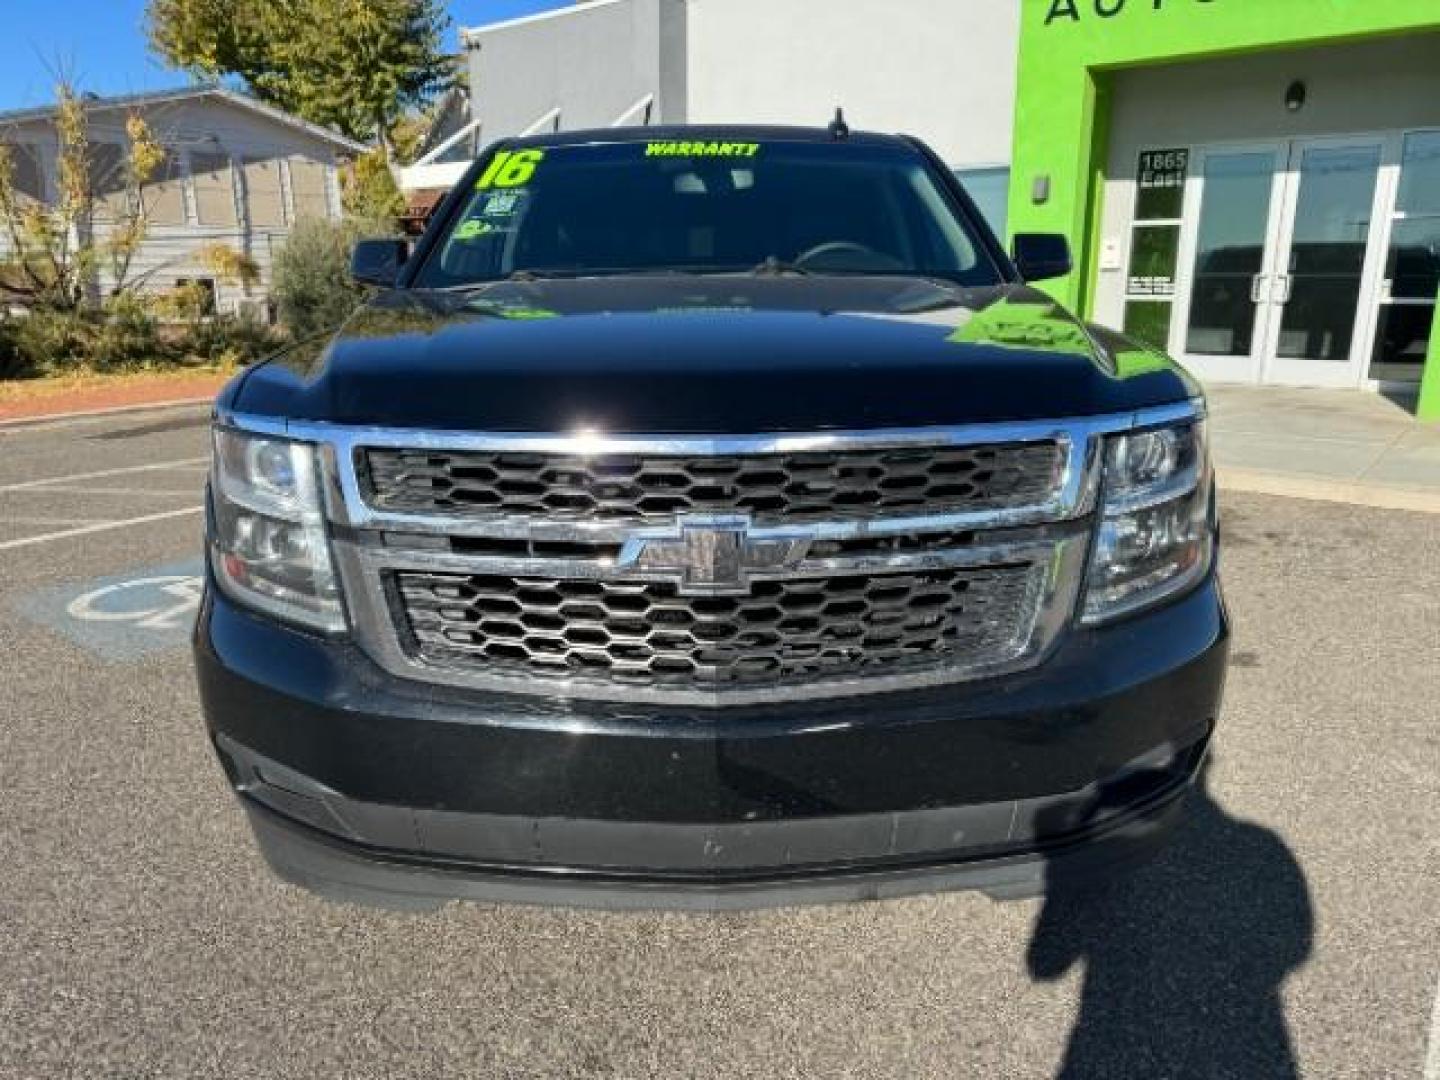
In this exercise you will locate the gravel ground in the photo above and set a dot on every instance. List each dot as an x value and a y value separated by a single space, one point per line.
1293 927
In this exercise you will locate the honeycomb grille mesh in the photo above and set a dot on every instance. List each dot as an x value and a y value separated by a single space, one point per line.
808 486
783 633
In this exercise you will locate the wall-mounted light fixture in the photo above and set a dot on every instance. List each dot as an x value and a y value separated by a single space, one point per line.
1295 95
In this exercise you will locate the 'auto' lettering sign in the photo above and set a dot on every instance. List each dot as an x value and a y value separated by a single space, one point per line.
1073 11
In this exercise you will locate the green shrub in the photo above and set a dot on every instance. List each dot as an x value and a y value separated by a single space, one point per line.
118 337
368 190
126 336
312 273
14 364
228 340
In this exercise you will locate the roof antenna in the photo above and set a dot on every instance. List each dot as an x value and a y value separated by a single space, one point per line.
839 130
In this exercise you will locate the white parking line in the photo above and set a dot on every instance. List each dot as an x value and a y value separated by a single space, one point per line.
159 466
66 489
6 519
104 526
96 416
1432 1055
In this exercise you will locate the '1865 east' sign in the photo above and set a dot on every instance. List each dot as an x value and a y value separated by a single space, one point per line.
1075 10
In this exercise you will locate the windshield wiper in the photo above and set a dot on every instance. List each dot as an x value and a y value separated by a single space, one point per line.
776 267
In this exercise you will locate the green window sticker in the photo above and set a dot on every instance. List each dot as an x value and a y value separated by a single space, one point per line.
702 149
470 230
510 169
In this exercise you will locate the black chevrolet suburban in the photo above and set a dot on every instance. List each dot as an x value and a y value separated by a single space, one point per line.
709 518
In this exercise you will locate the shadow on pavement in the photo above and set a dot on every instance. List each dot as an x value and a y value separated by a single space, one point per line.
1183 958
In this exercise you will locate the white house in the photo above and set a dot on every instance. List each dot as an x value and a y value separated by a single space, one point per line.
237 172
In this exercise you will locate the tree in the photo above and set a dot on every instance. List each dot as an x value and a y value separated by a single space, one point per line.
312 273
57 248
368 190
354 65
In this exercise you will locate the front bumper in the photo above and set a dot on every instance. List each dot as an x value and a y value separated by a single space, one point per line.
367 787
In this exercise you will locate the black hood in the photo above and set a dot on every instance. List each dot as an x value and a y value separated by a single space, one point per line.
715 354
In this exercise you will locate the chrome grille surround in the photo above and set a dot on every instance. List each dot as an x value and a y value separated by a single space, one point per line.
798 486
1046 540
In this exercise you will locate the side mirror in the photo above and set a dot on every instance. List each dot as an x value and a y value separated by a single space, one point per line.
378 262
1042 256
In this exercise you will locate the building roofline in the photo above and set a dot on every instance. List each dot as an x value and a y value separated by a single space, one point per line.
467 32
185 93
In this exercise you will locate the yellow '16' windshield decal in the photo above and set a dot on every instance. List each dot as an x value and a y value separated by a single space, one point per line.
510 168
702 149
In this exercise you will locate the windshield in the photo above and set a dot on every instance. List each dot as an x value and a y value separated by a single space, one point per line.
706 207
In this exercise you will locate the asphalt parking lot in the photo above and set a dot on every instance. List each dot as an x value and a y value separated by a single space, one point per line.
1293 928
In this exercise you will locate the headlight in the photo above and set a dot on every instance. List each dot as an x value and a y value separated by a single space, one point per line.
268 546
1156 535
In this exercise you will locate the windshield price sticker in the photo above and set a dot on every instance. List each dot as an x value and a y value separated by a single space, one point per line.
702 149
510 169
502 204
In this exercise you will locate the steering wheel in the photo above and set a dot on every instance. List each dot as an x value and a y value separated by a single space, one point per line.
868 257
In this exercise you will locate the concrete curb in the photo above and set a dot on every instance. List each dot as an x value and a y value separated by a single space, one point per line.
1320 489
100 414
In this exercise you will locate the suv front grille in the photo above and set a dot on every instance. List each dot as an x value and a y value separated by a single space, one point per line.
713 570
811 485
784 633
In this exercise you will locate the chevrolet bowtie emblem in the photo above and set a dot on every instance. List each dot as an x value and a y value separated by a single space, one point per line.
712 555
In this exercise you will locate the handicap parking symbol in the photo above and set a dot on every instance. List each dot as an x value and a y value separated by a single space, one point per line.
124 617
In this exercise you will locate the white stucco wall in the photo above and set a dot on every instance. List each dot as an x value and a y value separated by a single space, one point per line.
940 69
592 61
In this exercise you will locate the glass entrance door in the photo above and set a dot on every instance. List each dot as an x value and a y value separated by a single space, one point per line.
1323 289
1221 311
1281 266
1411 279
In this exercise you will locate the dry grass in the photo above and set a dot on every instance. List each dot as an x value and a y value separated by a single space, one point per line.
87 383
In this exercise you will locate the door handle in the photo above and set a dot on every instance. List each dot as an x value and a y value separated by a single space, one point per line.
1257 287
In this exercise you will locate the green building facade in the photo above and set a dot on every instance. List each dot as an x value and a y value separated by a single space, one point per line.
1253 185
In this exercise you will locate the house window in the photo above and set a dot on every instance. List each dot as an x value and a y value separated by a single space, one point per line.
107 169
309 188
206 287
164 192
990 189
214 188
25 169
264 197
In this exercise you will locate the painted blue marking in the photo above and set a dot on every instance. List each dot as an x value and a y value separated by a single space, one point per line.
124 616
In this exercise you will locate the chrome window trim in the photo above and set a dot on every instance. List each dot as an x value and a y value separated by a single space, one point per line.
1055 535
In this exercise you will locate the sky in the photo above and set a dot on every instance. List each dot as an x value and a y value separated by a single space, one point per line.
101 44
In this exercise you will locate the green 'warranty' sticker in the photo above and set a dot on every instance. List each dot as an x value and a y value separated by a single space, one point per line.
702 149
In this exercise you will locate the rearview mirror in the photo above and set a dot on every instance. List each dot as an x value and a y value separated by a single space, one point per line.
378 262
1042 256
